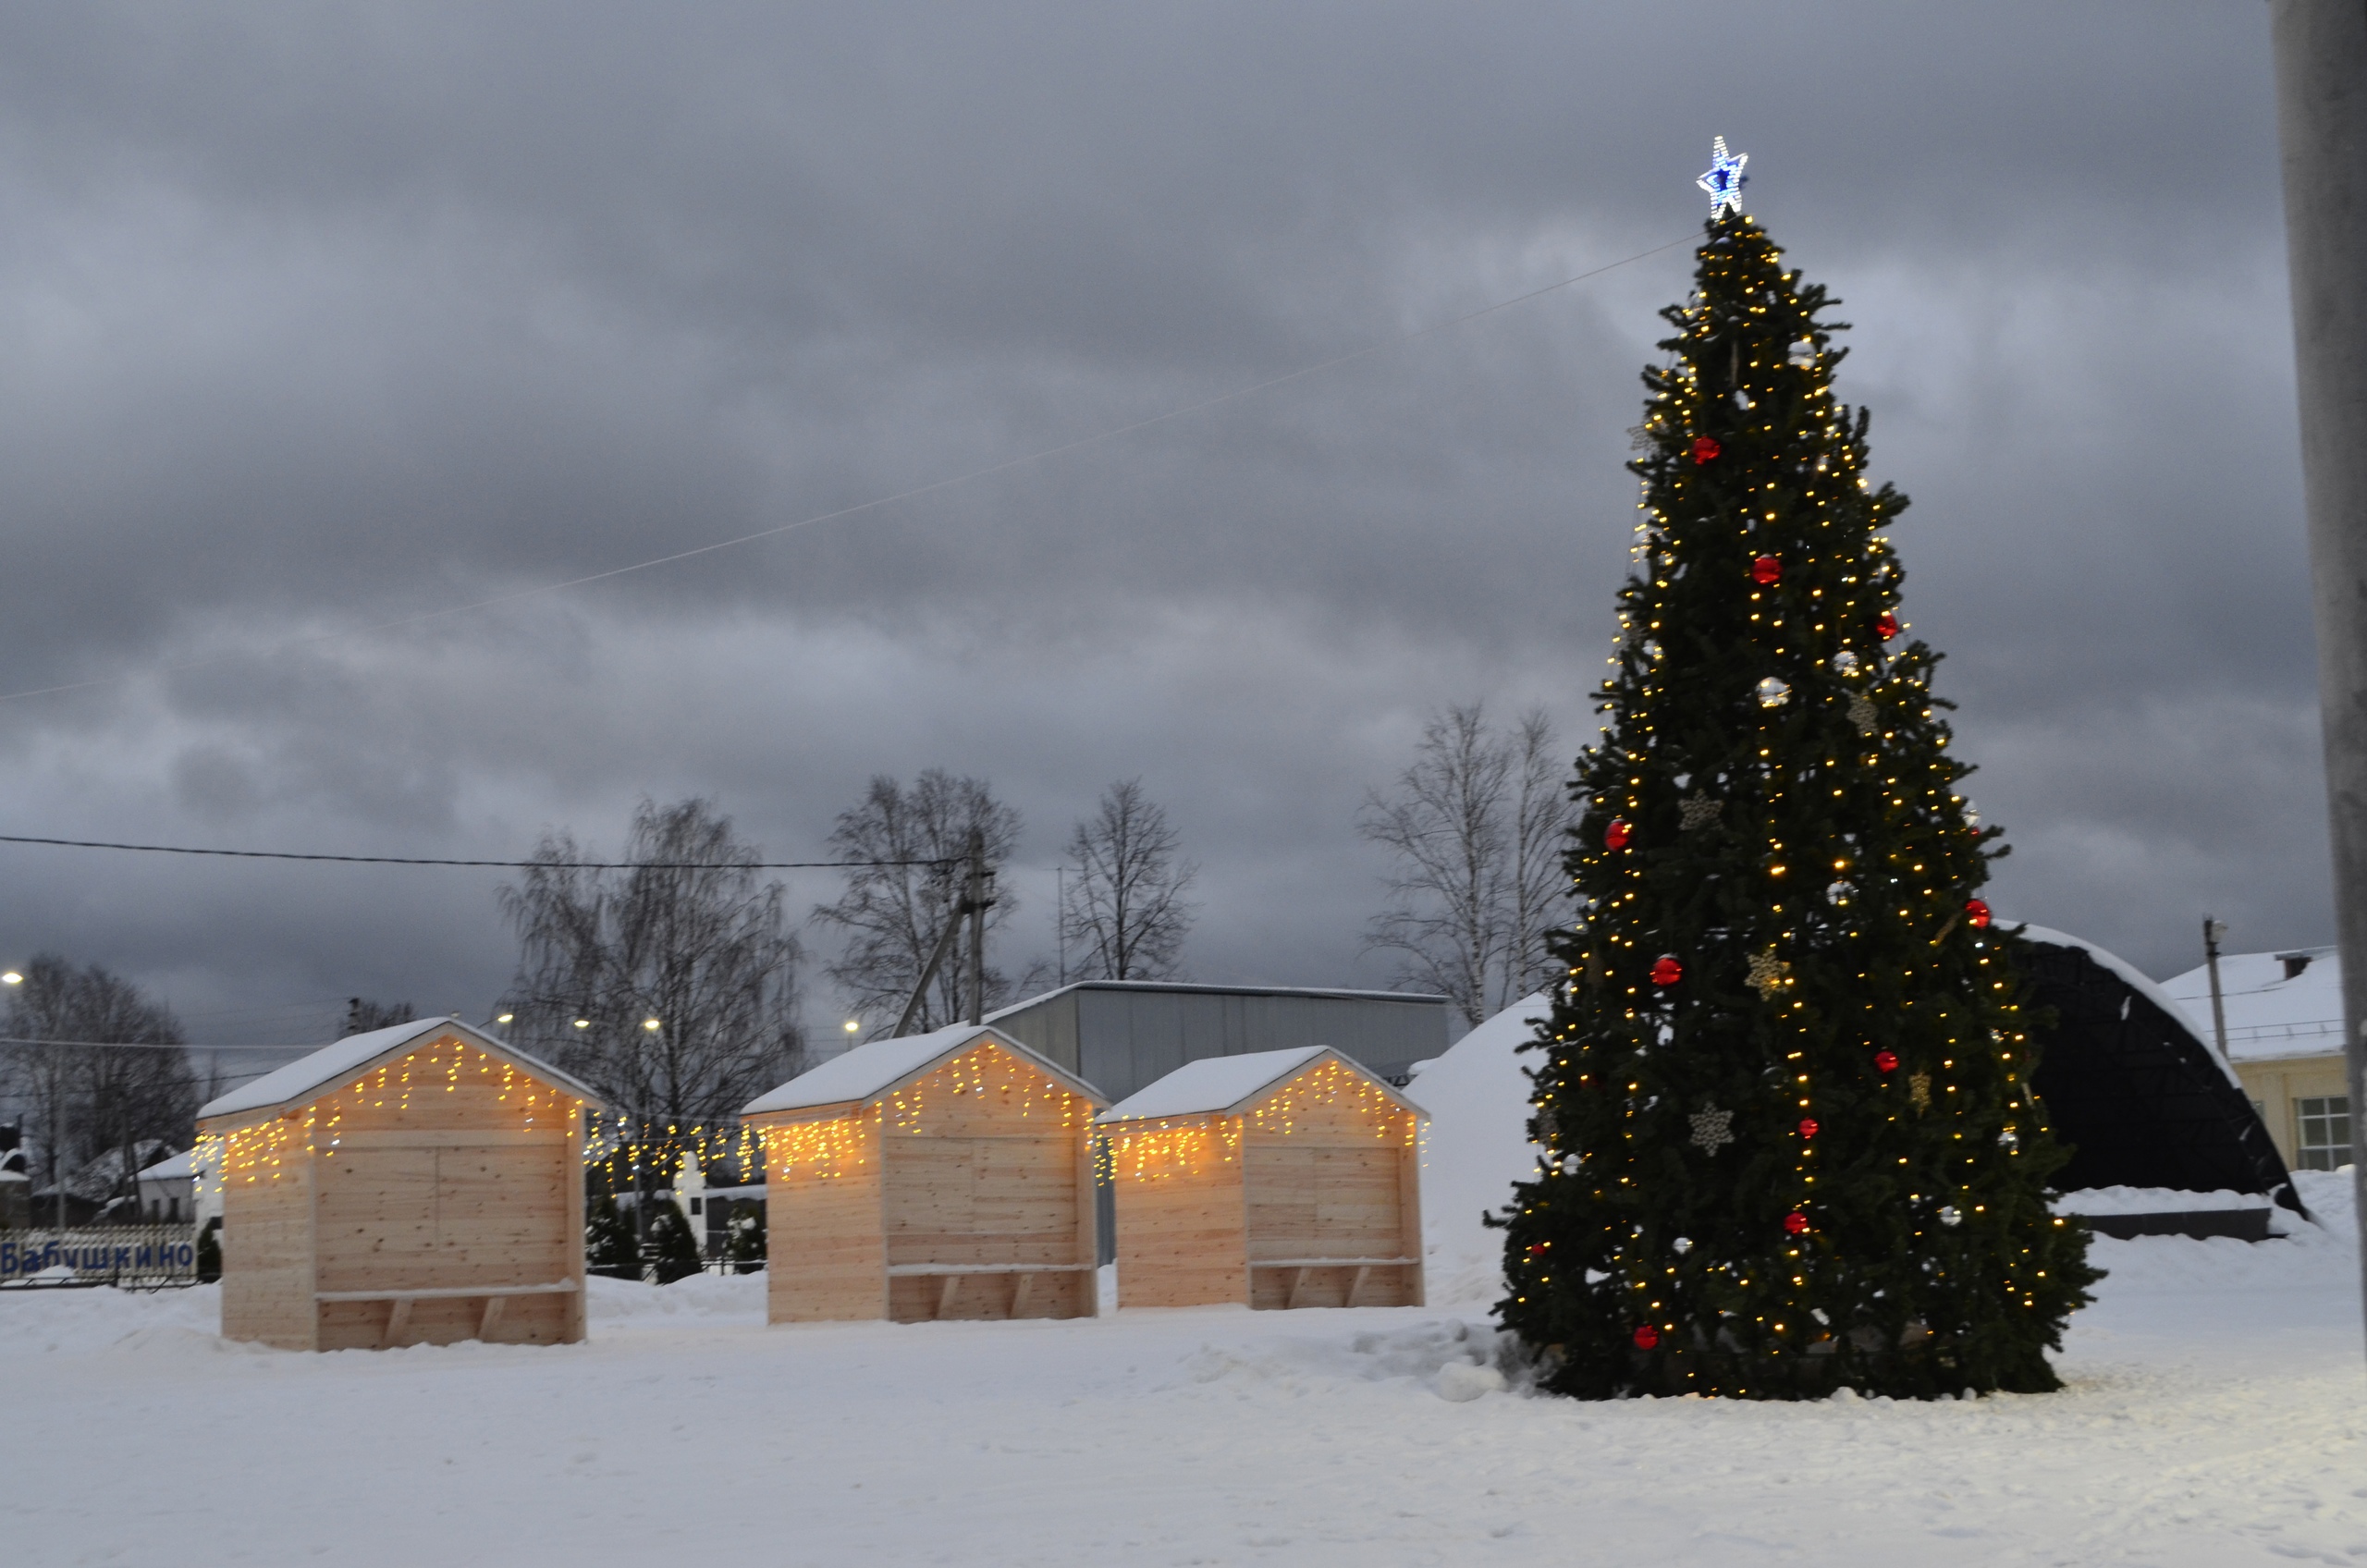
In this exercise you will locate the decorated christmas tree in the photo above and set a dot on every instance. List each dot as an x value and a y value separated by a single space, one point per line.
1785 1091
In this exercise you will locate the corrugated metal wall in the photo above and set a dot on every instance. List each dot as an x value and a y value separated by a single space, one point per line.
1120 1038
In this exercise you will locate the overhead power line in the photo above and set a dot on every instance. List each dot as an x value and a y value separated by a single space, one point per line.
152 1046
1042 454
503 865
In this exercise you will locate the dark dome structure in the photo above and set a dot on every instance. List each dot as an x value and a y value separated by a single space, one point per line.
2132 1090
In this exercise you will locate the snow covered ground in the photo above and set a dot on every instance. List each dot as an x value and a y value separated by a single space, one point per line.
2215 1415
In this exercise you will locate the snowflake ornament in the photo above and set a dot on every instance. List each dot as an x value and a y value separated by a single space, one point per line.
1724 179
1768 975
1862 714
1697 810
1711 1128
1918 1089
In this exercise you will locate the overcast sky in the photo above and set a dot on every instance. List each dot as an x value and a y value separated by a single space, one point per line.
313 318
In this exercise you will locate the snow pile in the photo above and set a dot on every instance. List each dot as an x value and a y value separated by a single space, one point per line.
624 1304
2317 1254
79 1321
1476 1148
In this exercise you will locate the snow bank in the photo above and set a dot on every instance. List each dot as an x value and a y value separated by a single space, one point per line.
76 1321
625 1304
2320 1253
1478 1146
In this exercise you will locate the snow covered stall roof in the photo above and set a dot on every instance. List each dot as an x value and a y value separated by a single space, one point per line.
884 1066
2132 1089
1225 1085
307 1077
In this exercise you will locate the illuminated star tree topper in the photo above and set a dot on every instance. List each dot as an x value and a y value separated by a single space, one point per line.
1725 180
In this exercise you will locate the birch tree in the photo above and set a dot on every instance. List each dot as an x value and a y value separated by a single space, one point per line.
1475 828
1125 905
672 986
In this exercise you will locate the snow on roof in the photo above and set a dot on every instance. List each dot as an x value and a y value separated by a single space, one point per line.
2138 981
301 1079
181 1168
869 1071
2268 1013
1217 1085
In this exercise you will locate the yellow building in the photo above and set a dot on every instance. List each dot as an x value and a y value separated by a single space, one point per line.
2284 1038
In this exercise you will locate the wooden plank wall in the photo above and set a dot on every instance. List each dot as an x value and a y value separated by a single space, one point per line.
827 1251
1330 1188
267 1258
1182 1237
445 1169
982 1164
987 1174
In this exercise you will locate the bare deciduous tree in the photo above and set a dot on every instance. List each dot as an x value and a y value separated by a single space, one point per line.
1540 817
1125 904
678 970
1475 827
892 914
89 1103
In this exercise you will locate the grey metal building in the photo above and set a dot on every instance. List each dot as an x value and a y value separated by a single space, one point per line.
1122 1035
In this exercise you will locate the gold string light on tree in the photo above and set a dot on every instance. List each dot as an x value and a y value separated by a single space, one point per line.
1769 719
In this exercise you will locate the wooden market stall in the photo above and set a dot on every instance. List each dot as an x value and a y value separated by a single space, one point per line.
418 1185
1276 1179
939 1175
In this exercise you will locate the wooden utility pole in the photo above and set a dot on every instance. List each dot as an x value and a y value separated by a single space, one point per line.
2321 47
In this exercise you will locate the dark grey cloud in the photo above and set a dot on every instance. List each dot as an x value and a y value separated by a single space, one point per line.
315 318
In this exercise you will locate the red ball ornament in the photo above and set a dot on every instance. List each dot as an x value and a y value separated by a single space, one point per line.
1616 837
1794 1222
1887 624
1886 1060
1647 1337
1807 1126
1666 971
1977 914
1704 449
1767 571
1536 1251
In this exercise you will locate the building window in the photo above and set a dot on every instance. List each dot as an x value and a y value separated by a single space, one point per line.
2325 1132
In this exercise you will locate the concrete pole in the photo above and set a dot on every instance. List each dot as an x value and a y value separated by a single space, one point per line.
2322 128
2213 932
979 898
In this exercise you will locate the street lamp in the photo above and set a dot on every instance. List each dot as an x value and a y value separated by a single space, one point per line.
650 1024
584 1024
854 1025
12 978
